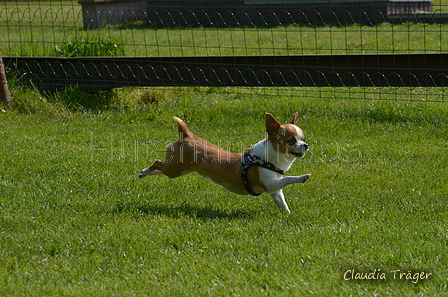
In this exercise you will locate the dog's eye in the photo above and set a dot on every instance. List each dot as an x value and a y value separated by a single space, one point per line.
292 141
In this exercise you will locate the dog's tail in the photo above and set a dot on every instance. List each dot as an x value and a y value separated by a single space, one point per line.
182 128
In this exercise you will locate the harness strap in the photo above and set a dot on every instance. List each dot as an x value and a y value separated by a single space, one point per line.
250 160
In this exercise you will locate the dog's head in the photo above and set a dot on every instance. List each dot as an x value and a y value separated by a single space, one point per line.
288 138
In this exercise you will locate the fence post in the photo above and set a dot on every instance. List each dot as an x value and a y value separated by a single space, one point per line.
4 91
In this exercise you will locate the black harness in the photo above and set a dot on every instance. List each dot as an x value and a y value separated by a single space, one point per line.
250 160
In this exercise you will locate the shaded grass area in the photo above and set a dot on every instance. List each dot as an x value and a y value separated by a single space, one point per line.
76 220
291 40
48 28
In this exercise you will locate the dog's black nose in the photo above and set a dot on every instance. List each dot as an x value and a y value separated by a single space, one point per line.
305 146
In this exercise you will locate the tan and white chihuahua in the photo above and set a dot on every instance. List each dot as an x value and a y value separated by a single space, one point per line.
259 170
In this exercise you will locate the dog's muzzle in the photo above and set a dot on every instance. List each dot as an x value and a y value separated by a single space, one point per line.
303 148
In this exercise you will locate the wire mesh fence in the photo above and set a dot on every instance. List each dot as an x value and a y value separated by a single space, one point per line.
364 49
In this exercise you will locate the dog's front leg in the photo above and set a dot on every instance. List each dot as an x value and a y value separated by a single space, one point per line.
279 200
291 180
283 182
276 186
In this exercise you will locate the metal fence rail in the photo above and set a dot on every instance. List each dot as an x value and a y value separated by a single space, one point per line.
383 70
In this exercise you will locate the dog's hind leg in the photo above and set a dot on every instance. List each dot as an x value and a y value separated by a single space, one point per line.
154 169
170 169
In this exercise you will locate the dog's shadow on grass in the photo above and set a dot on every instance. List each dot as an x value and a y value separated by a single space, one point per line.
144 208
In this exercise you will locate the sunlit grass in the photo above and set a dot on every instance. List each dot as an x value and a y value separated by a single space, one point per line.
76 220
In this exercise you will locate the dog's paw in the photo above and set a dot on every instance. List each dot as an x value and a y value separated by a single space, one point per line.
143 173
306 177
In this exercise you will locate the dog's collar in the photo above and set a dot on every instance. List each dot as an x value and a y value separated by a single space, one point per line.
250 160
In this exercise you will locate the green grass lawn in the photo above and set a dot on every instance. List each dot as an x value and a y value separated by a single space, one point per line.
75 219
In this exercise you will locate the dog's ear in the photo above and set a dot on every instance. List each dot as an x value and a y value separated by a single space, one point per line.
272 125
294 119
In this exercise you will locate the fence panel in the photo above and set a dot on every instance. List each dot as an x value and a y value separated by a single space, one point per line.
255 43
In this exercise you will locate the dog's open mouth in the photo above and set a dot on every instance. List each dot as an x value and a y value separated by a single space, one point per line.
298 155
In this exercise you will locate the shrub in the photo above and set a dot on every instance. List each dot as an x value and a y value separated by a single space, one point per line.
90 47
